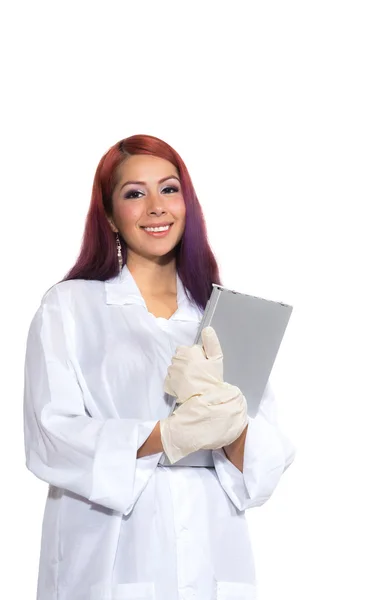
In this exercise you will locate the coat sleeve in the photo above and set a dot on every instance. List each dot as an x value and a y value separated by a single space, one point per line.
267 455
64 446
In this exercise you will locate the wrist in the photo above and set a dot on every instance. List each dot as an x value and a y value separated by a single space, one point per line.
153 443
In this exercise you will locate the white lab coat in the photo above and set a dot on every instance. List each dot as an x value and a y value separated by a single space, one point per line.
117 527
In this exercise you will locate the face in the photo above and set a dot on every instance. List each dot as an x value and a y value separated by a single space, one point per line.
148 193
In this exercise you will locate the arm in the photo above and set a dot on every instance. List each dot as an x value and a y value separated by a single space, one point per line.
235 450
153 443
93 457
250 469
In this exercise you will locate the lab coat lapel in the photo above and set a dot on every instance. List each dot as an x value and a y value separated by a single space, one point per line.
122 289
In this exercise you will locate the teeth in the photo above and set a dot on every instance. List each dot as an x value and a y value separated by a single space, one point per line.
157 228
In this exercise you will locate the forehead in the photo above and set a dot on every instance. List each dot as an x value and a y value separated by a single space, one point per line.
147 168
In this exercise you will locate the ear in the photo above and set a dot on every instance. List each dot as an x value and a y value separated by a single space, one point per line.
112 225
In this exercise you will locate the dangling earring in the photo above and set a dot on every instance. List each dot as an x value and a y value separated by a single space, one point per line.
119 253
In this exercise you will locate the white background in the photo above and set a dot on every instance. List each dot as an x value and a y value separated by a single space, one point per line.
282 113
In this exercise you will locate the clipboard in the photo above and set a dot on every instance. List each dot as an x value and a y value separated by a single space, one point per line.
250 330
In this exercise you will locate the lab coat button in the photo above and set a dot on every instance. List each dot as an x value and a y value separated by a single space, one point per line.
184 533
187 593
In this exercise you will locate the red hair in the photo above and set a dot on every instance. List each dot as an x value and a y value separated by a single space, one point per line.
195 261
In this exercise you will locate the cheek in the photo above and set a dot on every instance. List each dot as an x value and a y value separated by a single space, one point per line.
178 208
129 214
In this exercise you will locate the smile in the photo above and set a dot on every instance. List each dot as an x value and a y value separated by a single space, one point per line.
158 231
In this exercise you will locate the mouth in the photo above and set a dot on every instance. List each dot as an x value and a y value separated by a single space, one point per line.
164 231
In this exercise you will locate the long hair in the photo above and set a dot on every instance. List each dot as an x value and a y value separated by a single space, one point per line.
195 262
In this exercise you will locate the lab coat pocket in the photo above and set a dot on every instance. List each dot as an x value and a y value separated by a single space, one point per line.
229 590
123 591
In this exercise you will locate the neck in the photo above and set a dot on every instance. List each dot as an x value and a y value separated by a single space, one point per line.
153 278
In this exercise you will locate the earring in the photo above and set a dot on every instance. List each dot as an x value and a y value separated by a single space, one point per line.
119 253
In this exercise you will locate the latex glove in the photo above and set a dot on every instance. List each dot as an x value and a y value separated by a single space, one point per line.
196 368
212 420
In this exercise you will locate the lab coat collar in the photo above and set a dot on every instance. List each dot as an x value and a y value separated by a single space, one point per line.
122 289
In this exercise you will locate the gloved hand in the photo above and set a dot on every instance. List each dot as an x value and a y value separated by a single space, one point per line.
208 421
196 368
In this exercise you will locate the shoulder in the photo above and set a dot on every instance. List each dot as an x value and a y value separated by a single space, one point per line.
67 302
67 293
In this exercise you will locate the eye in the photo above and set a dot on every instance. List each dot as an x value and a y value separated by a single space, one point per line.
171 187
130 193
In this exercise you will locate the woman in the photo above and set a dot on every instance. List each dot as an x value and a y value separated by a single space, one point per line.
101 348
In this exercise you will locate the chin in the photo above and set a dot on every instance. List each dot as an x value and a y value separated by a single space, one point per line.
169 253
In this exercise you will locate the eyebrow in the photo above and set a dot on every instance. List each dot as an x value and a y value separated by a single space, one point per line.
144 182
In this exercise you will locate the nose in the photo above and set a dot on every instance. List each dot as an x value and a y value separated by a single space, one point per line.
156 205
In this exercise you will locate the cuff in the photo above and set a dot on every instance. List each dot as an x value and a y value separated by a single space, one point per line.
144 466
266 456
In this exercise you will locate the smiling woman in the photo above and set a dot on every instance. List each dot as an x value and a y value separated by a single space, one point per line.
148 211
116 523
